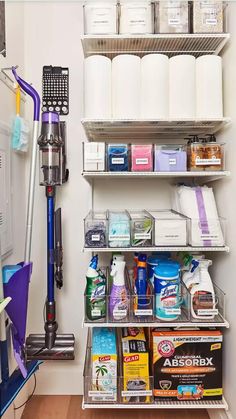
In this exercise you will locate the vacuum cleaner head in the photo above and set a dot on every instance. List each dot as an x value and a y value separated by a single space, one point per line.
63 348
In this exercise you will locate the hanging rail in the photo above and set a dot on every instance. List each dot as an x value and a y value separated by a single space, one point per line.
9 82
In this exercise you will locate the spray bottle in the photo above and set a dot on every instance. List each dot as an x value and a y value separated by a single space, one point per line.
118 304
203 302
95 291
141 282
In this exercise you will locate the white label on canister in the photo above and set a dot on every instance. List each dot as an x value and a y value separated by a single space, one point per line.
174 311
136 393
94 159
118 237
96 312
96 237
172 162
208 312
174 21
117 160
142 236
141 161
144 312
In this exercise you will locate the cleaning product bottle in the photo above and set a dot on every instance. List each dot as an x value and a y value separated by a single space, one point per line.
141 283
167 291
118 304
95 291
203 302
115 256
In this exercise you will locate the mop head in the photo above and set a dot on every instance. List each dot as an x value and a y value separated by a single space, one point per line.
20 135
63 348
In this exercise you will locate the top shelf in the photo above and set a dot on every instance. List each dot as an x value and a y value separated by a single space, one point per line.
169 44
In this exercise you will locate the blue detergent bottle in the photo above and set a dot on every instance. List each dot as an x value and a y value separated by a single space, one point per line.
167 291
141 282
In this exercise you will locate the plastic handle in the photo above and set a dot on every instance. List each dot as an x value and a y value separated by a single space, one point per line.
18 95
30 91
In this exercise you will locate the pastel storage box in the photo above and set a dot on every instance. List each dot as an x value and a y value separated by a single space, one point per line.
119 229
170 228
170 158
117 158
142 158
94 157
95 229
172 17
100 17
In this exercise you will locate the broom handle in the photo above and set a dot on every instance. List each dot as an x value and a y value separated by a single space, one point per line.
35 96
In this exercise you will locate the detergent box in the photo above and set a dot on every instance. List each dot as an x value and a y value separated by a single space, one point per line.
135 362
104 365
187 365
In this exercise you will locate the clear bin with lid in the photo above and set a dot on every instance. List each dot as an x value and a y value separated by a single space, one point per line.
208 16
172 17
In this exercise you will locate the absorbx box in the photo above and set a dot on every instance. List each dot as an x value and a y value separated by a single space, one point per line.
104 364
135 360
187 365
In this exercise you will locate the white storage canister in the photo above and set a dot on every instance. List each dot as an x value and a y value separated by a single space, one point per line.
136 17
100 18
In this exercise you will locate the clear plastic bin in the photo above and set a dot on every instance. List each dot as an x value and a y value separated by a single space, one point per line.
117 157
96 304
142 158
208 233
94 157
208 16
95 229
208 156
142 226
172 17
119 229
212 315
170 158
170 228
173 311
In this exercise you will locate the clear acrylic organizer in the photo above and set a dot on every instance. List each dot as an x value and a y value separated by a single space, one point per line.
142 226
95 229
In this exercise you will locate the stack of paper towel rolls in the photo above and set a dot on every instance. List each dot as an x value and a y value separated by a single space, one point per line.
154 87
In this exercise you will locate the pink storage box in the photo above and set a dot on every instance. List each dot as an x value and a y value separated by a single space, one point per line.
142 158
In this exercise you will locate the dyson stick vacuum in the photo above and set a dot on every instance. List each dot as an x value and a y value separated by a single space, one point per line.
52 346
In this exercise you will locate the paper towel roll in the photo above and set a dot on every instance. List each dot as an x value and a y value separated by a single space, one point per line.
182 93
209 87
155 86
97 87
126 81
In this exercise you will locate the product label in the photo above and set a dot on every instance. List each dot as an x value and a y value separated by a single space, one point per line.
119 313
172 162
174 311
144 312
142 236
174 21
206 162
96 312
100 393
94 159
211 21
96 237
136 393
117 160
208 312
141 161
119 237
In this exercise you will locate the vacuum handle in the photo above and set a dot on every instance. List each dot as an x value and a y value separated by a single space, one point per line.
58 249
30 91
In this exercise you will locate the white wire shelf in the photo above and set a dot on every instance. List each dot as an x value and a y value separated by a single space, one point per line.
169 44
218 322
157 249
148 129
207 176
201 404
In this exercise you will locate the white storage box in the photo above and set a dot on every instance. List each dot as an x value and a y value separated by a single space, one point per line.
170 228
136 17
100 17
94 157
